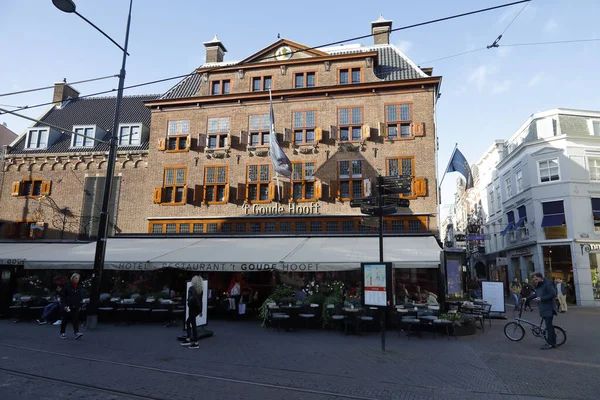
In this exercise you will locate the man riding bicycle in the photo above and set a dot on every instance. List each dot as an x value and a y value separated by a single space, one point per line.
546 295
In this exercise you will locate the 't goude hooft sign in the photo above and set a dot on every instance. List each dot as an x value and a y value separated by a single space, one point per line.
279 209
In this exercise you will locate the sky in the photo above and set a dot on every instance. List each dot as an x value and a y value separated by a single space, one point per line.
486 94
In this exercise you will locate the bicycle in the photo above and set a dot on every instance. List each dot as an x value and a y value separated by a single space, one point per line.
515 331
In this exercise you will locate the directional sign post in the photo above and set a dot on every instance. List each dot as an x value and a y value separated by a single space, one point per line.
397 202
367 201
401 184
370 221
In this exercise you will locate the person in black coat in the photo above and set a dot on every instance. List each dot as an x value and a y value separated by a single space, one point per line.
546 295
194 302
70 306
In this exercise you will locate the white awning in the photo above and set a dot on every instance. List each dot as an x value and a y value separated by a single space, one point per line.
16 253
299 254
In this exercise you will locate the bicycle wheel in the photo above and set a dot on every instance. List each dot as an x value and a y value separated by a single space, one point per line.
561 335
514 331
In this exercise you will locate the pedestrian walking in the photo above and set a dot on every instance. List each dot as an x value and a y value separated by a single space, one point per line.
546 295
561 294
525 293
515 288
70 307
194 302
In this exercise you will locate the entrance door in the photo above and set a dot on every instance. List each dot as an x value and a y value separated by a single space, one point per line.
558 264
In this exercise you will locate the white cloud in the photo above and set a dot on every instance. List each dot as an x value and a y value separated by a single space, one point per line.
501 87
551 25
404 45
537 78
480 76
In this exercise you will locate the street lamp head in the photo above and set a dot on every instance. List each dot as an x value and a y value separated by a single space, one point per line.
67 6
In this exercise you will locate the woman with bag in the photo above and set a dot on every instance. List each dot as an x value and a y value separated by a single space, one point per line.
194 302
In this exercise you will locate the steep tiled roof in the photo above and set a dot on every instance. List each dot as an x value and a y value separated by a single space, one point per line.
97 111
392 65
187 87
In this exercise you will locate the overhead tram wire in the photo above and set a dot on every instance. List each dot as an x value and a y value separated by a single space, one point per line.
555 42
52 87
217 68
452 56
495 43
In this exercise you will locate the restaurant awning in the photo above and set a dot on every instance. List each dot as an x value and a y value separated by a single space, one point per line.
15 253
300 254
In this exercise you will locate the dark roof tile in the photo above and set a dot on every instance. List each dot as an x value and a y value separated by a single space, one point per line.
97 111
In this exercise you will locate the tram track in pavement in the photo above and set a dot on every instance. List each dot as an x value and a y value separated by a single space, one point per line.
29 375
306 391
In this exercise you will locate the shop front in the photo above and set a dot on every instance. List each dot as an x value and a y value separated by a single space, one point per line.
558 263
587 259
148 265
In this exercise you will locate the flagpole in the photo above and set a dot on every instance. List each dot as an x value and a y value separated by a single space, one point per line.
449 161
276 173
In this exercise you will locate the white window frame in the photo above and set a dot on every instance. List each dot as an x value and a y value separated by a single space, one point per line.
539 172
591 123
39 132
492 202
130 143
508 187
86 142
182 127
597 168
519 181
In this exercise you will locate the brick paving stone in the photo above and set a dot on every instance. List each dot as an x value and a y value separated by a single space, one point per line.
484 366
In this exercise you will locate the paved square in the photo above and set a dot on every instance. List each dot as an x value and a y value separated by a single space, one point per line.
245 361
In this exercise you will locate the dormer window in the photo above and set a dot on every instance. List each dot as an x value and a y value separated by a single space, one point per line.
37 138
130 134
80 141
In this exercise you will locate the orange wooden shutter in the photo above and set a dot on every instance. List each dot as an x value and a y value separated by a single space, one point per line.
244 138
334 133
158 195
271 190
288 135
16 188
367 187
226 196
419 128
382 130
185 190
202 140
46 186
241 192
333 190
318 190
188 143
366 131
420 187
198 193
286 190
161 144
318 134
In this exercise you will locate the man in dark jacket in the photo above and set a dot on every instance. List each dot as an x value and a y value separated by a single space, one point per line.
71 304
546 295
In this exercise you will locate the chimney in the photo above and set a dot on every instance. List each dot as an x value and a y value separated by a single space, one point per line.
214 50
62 92
381 30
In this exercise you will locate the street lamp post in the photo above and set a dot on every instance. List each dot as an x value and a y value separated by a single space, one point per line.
68 6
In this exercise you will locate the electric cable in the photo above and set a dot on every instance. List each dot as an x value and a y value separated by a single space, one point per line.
216 68
554 42
52 87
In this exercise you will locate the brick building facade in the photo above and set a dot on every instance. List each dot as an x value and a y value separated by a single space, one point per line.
343 115
199 162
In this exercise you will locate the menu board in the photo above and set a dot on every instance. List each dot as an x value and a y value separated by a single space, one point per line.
200 319
375 284
493 292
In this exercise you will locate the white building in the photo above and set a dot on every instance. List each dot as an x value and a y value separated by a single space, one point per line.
542 201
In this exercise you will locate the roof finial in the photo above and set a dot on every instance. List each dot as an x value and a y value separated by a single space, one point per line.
278 35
